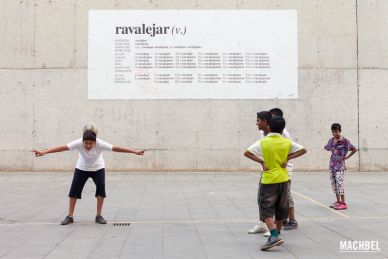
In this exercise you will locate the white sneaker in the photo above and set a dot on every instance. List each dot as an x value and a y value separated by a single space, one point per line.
257 229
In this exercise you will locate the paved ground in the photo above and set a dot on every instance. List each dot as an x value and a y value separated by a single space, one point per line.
185 215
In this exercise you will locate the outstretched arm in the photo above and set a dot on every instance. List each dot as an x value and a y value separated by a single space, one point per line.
50 150
126 150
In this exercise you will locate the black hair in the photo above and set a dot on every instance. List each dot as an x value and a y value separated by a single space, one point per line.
89 135
277 124
265 116
336 126
276 112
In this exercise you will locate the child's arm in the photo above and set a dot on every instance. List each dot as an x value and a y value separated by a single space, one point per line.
352 149
50 150
329 144
296 151
296 154
256 159
126 150
351 153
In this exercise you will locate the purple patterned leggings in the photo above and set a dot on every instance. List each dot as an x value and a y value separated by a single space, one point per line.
337 182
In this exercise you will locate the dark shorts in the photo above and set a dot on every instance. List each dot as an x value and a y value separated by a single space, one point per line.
273 201
79 179
258 200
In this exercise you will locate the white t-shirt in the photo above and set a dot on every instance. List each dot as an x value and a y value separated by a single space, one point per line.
90 160
256 147
285 134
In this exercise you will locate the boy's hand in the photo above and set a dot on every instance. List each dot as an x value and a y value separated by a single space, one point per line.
139 152
265 168
38 153
284 165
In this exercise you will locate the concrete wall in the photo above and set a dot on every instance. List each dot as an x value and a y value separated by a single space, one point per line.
343 77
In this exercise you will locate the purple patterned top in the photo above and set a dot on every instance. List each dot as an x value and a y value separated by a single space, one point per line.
338 153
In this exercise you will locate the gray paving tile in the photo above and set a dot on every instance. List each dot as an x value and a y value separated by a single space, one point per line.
184 215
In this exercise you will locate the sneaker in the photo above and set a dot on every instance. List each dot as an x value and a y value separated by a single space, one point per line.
272 241
341 206
257 229
68 220
291 225
334 204
100 220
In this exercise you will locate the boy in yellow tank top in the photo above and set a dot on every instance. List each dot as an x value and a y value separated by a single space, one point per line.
275 151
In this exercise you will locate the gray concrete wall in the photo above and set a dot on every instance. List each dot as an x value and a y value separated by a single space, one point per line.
343 77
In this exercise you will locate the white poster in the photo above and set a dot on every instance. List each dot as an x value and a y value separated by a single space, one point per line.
192 54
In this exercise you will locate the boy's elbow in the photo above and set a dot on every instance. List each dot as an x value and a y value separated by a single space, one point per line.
303 151
247 153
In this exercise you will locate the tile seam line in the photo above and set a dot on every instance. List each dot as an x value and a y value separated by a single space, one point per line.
303 219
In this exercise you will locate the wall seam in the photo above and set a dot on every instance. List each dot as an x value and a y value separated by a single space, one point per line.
358 90
33 89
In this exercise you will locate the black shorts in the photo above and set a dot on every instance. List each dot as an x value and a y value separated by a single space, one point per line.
79 179
273 200
258 199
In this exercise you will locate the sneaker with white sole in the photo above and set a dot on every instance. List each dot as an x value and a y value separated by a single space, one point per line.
272 241
257 229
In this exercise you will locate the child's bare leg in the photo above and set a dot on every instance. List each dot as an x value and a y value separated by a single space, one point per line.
291 214
270 223
279 225
343 198
100 202
72 202
338 198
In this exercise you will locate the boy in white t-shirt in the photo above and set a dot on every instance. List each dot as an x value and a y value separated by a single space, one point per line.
90 164
262 123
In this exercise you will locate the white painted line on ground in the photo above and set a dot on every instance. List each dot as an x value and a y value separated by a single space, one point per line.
315 202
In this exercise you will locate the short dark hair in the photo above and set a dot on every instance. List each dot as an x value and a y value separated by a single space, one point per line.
277 124
265 116
276 112
336 126
89 135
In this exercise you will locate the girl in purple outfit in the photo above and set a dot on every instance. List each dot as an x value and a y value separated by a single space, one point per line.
339 147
